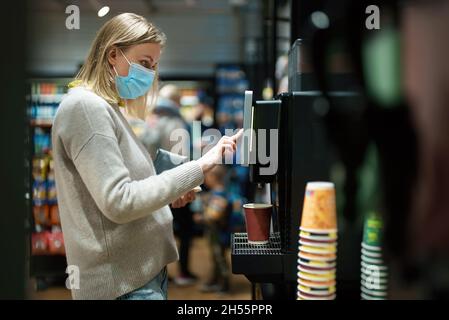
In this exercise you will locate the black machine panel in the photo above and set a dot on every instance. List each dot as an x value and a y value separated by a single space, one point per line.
304 155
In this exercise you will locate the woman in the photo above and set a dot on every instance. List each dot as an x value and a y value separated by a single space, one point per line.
114 208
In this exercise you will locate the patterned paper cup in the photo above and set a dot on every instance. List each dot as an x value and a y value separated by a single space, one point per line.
305 296
316 291
316 264
319 209
311 243
317 285
320 237
372 231
316 271
373 267
316 277
318 257
319 250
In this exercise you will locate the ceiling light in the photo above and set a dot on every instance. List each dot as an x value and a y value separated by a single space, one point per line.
103 11
320 20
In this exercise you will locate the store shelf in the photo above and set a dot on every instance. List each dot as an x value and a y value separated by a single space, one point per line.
48 265
47 260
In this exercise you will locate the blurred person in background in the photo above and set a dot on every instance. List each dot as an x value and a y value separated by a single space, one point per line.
204 111
281 73
148 135
426 74
217 213
165 119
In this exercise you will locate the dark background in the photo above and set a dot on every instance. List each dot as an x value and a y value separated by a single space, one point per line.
13 244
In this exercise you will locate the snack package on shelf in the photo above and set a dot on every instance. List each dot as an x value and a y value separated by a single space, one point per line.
51 192
54 215
56 243
51 167
47 243
42 141
40 166
39 243
41 215
51 184
39 192
45 99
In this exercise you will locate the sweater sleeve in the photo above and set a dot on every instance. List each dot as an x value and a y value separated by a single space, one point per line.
121 199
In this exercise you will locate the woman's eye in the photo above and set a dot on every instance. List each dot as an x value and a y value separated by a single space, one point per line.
147 65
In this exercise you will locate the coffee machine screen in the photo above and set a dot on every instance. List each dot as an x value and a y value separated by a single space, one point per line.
247 126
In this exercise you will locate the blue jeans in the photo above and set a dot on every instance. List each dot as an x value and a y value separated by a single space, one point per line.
156 289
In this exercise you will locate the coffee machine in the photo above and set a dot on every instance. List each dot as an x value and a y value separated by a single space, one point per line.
304 153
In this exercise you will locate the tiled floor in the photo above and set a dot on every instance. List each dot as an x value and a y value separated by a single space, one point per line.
200 265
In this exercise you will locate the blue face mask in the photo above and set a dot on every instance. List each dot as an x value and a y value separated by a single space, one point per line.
137 83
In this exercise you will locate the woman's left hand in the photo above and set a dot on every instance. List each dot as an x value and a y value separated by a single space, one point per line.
185 199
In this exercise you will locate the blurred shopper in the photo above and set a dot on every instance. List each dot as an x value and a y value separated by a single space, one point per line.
149 136
426 71
281 73
217 212
113 206
167 119
204 111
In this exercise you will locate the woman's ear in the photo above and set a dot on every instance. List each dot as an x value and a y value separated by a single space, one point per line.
112 56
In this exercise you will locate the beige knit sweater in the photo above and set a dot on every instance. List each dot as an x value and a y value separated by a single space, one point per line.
114 209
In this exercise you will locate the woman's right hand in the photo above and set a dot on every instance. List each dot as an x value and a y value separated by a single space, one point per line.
214 156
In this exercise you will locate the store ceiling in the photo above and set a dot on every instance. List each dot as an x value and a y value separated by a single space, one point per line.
200 35
141 6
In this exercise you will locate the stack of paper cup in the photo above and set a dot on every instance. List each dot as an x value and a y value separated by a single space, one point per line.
318 243
374 272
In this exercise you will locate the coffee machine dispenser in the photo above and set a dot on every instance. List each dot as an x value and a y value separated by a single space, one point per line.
303 155
305 120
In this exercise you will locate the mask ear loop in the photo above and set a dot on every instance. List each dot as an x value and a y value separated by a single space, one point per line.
124 56
113 67
125 59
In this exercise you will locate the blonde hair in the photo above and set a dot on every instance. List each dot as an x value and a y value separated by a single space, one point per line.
122 31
